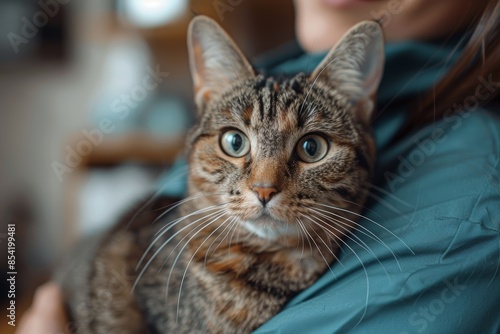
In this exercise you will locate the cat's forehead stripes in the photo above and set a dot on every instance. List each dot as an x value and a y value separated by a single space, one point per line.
295 105
259 103
275 101
265 104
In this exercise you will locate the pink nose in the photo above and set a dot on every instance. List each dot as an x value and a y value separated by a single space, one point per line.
265 193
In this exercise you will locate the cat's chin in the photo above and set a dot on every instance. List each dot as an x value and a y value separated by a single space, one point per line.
266 227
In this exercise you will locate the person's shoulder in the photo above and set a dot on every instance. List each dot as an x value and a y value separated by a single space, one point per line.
453 163
470 127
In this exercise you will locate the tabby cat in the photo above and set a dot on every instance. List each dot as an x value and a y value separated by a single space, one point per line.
278 172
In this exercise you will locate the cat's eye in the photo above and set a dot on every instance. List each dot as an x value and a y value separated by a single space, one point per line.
234 143
312 148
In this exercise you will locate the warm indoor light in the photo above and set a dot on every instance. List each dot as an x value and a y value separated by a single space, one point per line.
151 13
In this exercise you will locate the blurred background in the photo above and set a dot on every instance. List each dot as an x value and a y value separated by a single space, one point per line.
95 97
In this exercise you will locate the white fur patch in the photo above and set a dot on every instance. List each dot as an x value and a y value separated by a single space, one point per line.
269 232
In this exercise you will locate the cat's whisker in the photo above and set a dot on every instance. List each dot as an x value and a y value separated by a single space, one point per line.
364 269
154 197
317 247
163 245
144 206
304 234
203 220
234 228
363 207
329 248
326 245
229 227
175 174
358 225
388 194
301 235
310 90
284 236
179 253
190 198
347 233
167 227
387 205
197 212
347 228
179 169
370 220
195 232
194 254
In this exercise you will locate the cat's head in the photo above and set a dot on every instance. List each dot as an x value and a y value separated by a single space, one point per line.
275 153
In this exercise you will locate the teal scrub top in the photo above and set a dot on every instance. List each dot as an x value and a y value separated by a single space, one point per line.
427 255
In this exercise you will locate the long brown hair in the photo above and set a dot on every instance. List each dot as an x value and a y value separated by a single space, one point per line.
479 61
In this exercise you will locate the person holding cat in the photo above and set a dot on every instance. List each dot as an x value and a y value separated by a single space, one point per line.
433 266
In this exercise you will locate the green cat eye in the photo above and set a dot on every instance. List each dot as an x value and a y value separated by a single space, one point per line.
234 143
312 148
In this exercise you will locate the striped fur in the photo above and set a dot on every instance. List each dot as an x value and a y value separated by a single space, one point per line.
231 262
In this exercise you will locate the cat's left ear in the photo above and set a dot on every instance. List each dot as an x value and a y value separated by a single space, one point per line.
215 60
354 67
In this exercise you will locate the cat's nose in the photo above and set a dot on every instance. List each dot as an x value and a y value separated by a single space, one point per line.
265 192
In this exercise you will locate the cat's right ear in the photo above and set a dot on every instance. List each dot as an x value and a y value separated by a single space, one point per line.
215 60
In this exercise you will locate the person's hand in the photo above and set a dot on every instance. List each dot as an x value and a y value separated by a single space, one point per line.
47 314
